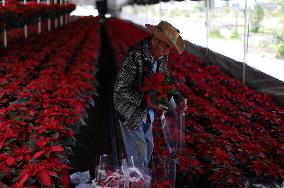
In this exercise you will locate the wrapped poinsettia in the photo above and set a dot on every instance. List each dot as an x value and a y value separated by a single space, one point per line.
157 88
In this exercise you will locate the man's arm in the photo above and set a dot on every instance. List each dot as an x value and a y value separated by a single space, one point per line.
127 98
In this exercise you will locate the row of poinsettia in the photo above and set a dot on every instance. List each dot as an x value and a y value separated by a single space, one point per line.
235 132
16 34
30 58
16 14
54 84
231 132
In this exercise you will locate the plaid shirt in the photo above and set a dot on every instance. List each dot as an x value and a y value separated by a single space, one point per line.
128 98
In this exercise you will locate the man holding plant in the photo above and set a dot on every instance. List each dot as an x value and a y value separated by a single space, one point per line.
141 87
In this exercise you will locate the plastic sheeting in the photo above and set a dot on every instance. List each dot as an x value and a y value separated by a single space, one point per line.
255 79
126 176
83 2
261 182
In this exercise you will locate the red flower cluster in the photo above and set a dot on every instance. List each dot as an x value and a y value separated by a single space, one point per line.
231 132
157 87
15 14
45 88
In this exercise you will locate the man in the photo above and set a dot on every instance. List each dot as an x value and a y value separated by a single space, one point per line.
135 117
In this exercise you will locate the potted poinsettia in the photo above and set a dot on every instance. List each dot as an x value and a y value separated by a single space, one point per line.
157 88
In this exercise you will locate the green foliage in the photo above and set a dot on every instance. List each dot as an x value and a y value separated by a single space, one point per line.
279 43
235 35
198 8
216 33
279 34
280 50
256 16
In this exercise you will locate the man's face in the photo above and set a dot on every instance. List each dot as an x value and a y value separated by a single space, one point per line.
159 48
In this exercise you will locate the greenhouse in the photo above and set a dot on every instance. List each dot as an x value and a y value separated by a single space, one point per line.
142 93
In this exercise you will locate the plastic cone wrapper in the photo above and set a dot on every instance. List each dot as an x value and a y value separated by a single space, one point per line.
173 126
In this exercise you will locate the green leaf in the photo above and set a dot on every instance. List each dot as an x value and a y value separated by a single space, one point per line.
13 171
9 141
31 119
14 180
31 181
69 141
18 119
1 175
65 160
53 185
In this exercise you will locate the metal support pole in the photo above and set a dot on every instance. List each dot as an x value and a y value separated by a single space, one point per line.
246 17
26 31
55 23
5 38
39 25
207 26
160 10
48 24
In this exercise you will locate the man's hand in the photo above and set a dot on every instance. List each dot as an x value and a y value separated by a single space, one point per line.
159 107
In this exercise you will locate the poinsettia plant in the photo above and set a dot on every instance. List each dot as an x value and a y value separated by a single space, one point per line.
15 14
157 87
42 101
231 131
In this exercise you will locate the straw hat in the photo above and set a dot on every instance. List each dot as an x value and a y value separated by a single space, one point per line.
168 34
